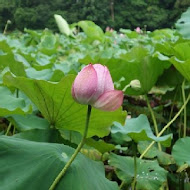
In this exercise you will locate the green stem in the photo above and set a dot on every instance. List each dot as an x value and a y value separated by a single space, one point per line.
102 156
125 88
5 29
181 180
180 126
166 126
63 171
14 130
135 166
154 120
185 111
172 108
8 129
122 185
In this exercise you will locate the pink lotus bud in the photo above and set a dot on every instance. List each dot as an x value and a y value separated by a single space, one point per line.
138 30
94 86
107 29
111 30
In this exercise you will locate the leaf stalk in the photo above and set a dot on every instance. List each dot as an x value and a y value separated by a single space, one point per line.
166 126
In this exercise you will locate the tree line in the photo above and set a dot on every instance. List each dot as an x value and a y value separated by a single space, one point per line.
38 14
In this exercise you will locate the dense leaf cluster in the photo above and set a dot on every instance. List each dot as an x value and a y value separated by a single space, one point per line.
117 14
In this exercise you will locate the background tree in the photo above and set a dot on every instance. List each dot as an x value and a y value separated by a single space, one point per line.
38 14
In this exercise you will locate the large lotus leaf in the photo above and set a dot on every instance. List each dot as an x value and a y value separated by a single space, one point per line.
44 74
182 66
150 176
21 59
181 151
93 31
5 47
43 61
139 129
10 105
5 70
57 76
15 66
48 44
165 159
48 41
55 102
39 61
117 137
173 76
33 165
28 122
162 157
181 51
181 59
164 48
183 24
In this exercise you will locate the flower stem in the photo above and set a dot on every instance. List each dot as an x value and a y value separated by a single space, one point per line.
5 29
122 185
125 88
185 111
166 126
8 129
172 107
135 166
154 120
63 171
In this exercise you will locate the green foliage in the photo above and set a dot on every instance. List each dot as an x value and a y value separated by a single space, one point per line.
41 158
29 122
37 72
139 129
181 59
149 174
181 155
92 30
10 105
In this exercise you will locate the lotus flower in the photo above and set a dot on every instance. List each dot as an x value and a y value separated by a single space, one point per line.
138 30
94 86
108 29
